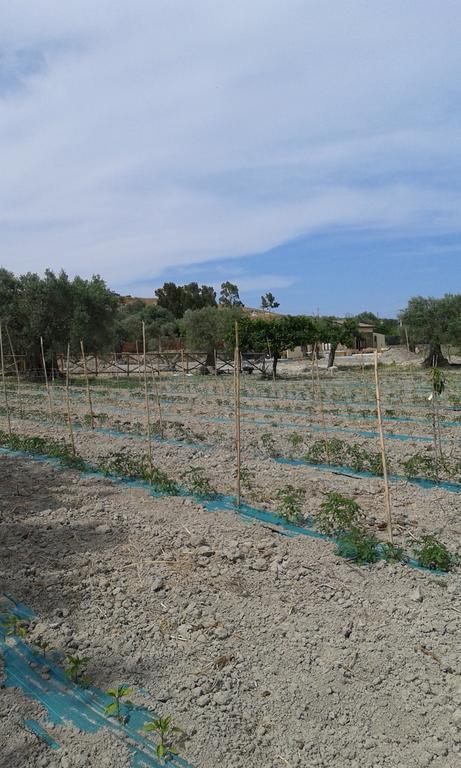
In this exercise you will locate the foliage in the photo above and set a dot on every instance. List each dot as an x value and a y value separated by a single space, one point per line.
357 545
40 446
164 728
295 440
438 381
162 483
159 323
229 296
290 501
13 625
434 322
207 328
432 553
42 645
58 309
177 299
76 669
268 444
334 332
386 325
392 553
118 695
269 302
198 484
339 453
424 465
274 335
337 514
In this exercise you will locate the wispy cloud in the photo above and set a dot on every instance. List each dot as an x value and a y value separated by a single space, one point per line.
139 139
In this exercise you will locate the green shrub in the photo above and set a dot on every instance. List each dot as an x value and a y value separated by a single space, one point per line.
392 553
198 484
337 514
357 545
290 500
431 553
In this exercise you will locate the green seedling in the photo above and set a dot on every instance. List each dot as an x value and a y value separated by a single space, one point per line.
438 381
268 444
162 483
392 553
198 484
295 440
15 626
43 646
431 553
337 514
76 668
118 695
357 545
290 501
246 478
164 729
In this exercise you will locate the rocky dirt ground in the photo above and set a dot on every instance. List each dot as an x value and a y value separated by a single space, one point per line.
266 650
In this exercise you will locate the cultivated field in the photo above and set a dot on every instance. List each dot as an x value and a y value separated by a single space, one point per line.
256 628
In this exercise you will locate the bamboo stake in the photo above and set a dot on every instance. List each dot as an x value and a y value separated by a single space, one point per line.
182 366
146 397
215 363
5 393
237 409
16 367
69 416
322 413
88 391
387 498
159 404
50 404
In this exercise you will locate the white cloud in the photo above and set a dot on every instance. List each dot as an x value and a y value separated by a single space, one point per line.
161 134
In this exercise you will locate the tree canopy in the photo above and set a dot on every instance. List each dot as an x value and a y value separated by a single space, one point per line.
177 299
434 322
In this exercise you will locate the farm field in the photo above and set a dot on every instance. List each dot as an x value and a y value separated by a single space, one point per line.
251 617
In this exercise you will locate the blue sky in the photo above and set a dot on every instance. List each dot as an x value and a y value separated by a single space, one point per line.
307 147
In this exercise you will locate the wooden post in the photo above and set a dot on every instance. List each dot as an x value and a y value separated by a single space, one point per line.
237 408
146 396
5 393
69 415
88 391
183 367
387 498
406 337
50 405
215 363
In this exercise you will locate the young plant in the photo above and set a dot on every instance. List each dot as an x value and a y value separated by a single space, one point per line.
268 444
357 545
392 553
431 553
118 695
199 484
295 440
246 478
337 514
76 668
290 501
162 483
164 729
15 626
43 646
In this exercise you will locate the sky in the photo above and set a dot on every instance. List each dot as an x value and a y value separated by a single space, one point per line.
311 148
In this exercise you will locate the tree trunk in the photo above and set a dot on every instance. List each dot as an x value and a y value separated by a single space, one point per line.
331 355
275 359
435 357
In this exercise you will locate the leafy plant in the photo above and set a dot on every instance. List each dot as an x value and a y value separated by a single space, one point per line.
357 545
199 484
163 727
290 500
162 483
246 478
15 626
438 381
295 440
76 669
118 695
392 553
268 444
337 514
425 465
43 646
432 553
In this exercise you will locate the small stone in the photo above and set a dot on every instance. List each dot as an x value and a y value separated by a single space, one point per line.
258 565
103 529
416 595
222 697
202 701
157 584
221 633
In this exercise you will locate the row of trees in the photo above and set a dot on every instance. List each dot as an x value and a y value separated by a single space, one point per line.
65 311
